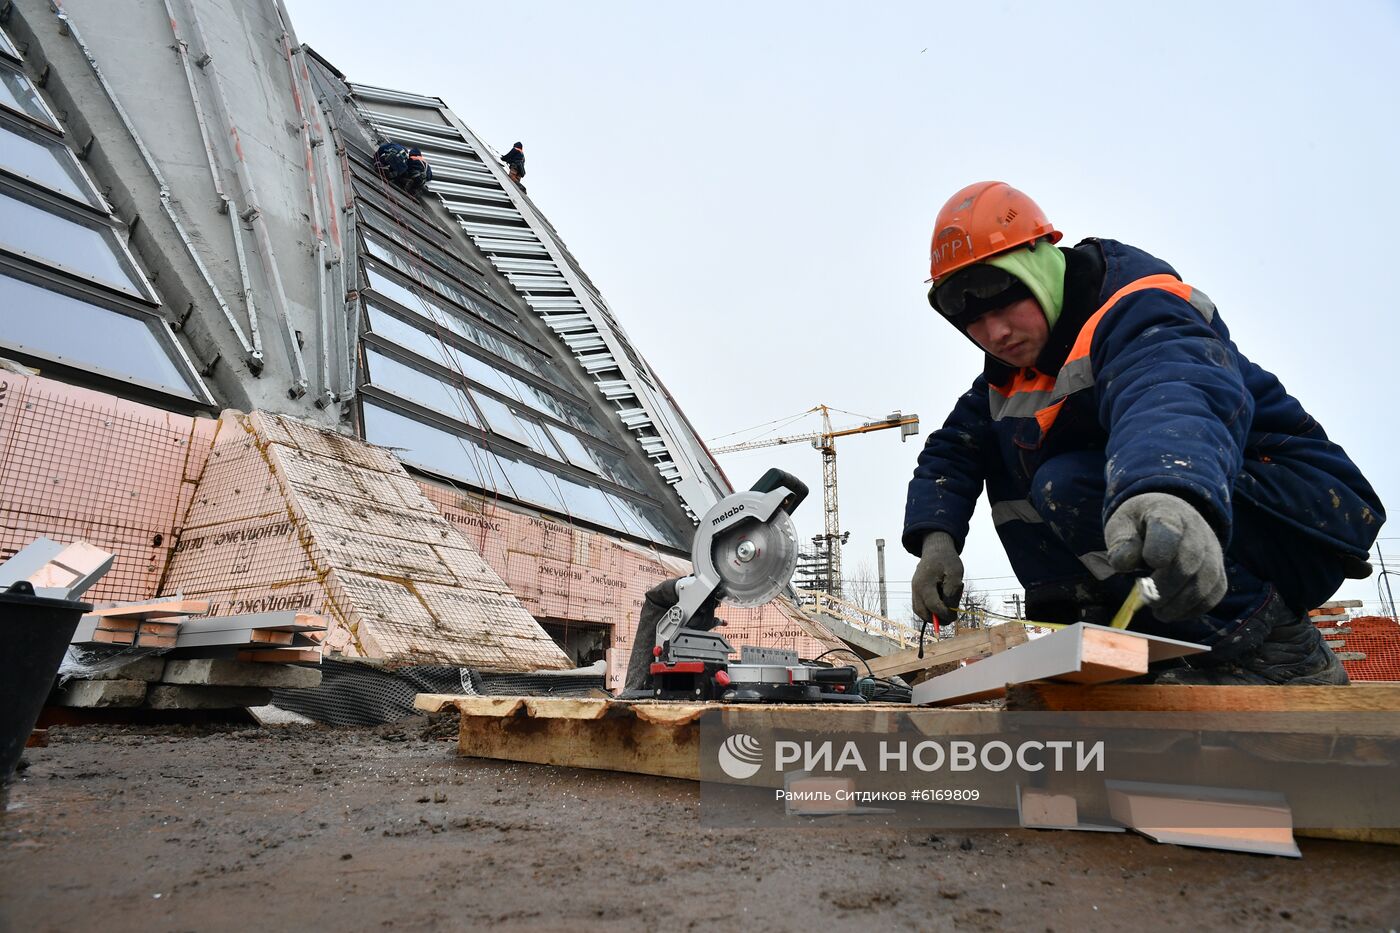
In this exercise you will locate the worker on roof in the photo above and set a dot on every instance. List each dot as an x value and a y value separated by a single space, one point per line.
403 166
1119 431
515 162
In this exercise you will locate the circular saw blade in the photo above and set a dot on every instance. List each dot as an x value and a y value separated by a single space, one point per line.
756 560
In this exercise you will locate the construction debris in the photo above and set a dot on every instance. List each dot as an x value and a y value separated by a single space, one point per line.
1206 817
1367 646
1038 809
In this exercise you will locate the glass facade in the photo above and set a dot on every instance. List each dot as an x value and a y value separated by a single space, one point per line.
508 425
70 292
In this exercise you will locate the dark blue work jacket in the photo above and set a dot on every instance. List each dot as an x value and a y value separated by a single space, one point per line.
1142 368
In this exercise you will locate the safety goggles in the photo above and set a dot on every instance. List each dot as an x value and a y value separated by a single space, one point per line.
971 292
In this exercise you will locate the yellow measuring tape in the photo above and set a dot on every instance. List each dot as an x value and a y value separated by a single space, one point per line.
1143 593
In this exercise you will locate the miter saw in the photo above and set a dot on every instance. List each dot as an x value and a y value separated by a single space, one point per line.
744 553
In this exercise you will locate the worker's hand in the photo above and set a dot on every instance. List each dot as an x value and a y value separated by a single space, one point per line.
1165 534
938 579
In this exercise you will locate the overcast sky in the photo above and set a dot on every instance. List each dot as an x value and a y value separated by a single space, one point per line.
753 187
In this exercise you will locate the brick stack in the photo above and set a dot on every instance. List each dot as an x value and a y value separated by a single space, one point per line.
1367 646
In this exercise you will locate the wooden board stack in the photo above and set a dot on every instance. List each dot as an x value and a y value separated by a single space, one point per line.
152 624
218 662
262 637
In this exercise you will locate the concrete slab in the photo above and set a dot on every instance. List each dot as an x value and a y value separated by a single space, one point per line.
98 694
164 696
221 673
147 669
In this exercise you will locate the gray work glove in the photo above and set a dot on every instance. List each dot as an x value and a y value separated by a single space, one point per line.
938 579
1165 534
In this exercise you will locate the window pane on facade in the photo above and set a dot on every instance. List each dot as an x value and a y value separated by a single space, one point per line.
617 469
57 239
391 289
650 521
48 164
417 386
441 285
61 327
435 450
17 93
501 419
403 334
574 450
539 437
532 484
588 503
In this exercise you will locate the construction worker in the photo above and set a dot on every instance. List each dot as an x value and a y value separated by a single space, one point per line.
515 162
403 166
1119 431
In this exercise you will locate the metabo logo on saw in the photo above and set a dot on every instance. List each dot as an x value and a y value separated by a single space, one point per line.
727 515
744 553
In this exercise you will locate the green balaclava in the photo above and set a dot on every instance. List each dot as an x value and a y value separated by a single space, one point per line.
1041 267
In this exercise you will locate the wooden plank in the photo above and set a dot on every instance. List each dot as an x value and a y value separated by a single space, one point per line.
117 625
1087 653
113 638
958 648
1108 656
155 609
620 743
1149 697
481 706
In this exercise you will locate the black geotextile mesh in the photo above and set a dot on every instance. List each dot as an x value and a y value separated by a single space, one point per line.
352 694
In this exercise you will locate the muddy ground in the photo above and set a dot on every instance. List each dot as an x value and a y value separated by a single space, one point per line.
298 828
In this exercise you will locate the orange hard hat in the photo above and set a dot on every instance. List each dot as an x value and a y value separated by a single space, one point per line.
982 220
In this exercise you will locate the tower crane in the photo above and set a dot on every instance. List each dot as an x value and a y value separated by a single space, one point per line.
825 441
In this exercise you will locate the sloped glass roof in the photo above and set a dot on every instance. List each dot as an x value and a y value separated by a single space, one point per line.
71 292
